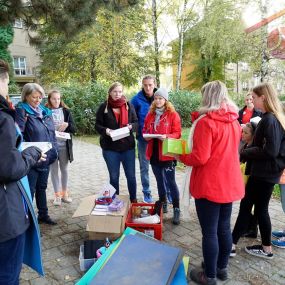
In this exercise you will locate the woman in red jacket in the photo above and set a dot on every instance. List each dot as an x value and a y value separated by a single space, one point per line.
162 119
216 179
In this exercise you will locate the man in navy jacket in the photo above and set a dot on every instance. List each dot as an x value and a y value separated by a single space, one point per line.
142 101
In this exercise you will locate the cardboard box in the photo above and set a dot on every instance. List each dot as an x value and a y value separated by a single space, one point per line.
109 224
174 146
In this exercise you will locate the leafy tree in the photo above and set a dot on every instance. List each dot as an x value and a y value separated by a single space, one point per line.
65 16
217 38
183 15
6 38
109 50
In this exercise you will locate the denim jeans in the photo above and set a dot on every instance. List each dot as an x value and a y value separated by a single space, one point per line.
11 259
144 165
165 178
113 160
38 180
215 221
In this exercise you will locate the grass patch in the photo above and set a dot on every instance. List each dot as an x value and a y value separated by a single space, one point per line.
93 139
276 192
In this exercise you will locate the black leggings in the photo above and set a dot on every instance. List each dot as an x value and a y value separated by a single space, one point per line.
257 192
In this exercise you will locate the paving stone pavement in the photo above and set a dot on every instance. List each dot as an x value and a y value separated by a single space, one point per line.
88 172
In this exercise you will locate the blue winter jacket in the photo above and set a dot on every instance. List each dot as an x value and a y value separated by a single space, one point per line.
36 129
17 214
141 104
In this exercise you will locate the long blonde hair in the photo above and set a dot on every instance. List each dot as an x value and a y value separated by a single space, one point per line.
215 93
168 107
271 102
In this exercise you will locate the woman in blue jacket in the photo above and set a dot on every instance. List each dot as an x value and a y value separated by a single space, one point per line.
36 124
19 232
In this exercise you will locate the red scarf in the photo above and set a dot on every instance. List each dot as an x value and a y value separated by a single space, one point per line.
122 104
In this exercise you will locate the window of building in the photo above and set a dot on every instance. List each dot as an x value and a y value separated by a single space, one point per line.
244 86
18 24
20 66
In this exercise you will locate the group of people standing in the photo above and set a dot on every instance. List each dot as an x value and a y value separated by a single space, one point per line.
149 112
215 180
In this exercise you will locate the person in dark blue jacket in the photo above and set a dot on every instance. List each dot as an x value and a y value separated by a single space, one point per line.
19 232
142 101
36 124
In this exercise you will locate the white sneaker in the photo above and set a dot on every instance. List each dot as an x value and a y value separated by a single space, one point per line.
57 201
66 199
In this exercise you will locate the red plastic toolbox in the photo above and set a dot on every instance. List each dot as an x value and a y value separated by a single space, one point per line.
153 230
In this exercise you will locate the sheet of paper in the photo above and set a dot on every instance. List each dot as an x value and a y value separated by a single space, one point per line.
152 136
43 146
120 133
62 135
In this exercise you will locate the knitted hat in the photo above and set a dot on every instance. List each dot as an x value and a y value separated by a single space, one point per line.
162 92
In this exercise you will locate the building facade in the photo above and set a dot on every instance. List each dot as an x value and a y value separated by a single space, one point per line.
25 57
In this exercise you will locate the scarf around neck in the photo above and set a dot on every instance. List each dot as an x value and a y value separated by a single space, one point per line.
158 114
123 106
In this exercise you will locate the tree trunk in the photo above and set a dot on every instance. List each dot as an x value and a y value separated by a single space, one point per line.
93 73
156 53
264 57
181 44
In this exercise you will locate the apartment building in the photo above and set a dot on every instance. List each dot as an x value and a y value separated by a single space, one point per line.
25 57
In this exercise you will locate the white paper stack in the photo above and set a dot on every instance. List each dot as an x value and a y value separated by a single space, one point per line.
62 135
43 146
119 133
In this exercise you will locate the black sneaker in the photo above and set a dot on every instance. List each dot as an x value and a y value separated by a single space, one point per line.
233 253
200 277
222 274
46 220
164 207
176 216
257 250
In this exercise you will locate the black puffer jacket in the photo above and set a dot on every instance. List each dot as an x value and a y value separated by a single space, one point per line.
256 113
13 166
108 120
70 129
266 156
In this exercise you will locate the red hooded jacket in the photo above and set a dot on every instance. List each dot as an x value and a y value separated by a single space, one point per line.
169 124
216 174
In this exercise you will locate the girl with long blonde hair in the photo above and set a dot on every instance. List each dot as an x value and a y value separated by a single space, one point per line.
267 161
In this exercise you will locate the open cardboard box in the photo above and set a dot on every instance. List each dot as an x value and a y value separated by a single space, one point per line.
111 224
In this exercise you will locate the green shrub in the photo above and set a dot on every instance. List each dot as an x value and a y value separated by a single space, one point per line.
185 102
238 99
14 88
83 101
